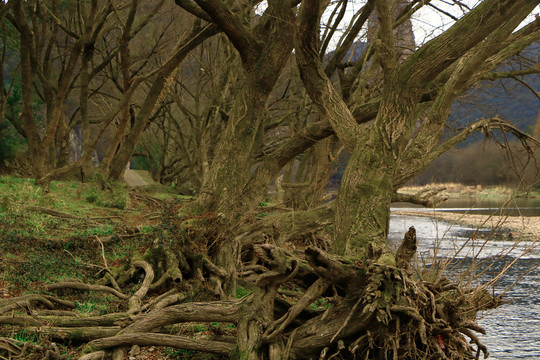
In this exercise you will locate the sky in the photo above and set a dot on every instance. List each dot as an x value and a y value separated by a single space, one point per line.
429 22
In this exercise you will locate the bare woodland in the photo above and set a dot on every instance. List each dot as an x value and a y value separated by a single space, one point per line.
227 98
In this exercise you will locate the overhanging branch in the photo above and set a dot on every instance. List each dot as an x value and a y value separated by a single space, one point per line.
243 40
487 126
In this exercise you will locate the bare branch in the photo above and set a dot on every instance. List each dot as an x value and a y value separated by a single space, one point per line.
528 86
317 84
193 9
438 54
242 39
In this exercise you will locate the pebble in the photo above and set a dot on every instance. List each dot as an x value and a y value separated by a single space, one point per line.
135 350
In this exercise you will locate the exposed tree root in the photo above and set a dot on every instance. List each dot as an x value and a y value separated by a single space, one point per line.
52 212
155 339
15 350
82 286
343 309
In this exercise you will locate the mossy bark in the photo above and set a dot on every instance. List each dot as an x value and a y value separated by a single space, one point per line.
229 189
363 201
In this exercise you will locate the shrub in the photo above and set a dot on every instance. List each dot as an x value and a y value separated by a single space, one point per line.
117 196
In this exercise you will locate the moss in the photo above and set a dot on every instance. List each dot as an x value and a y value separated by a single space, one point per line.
387 259
89 348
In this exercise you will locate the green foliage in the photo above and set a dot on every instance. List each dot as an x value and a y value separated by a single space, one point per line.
179 354
33 244
103 193
89 307
101 180
102 230
19 189
241 292
5 203
11 142
92 195
222 328
24 336
140 163
320 304
118 199
38 268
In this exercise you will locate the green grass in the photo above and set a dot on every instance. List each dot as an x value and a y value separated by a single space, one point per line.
23 337
39 248
101 230
90 307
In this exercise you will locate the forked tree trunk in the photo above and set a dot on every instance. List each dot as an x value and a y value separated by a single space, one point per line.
229 191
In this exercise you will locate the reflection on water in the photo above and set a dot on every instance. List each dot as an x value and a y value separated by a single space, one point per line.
513 328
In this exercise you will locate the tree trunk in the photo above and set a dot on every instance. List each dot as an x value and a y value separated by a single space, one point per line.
27 75
235 153
363 201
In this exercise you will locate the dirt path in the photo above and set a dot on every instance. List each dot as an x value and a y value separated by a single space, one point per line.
133 179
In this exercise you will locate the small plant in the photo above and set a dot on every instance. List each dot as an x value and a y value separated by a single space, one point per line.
146 229
114 197
23 336
241 292
198 328
5 203
118 198
89 307
101 181
91 195
320 303
178 354
103 230
47 200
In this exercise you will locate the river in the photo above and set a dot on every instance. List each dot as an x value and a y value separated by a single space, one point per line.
513 329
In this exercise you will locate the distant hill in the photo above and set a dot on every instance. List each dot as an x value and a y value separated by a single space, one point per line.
508 98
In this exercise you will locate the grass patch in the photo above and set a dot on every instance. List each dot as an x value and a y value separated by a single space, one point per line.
39 248
241 292
90 307
23 337
113 196
101 230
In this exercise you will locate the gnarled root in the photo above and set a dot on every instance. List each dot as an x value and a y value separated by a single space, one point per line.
299 305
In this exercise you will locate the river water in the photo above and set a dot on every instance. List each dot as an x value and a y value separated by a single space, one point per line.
513 329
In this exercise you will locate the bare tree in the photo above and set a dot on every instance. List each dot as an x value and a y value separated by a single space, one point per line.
51 46
395 148
389 111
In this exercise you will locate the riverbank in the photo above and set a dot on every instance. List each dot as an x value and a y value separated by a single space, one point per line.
518 227
463 196
455 191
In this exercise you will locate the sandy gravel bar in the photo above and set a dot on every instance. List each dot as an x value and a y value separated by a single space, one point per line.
524 227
